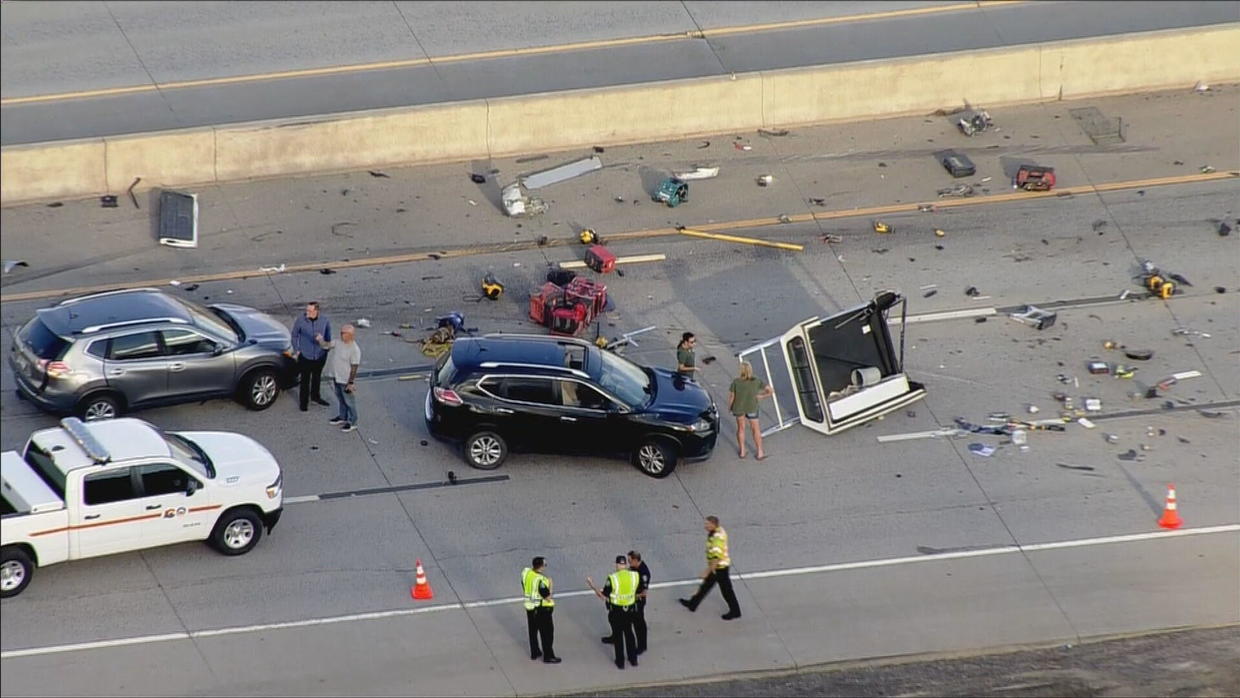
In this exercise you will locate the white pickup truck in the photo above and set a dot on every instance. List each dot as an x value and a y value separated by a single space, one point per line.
111 486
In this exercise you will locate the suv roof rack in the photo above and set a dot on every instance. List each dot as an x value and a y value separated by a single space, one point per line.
71 301
81 434
91 329
552 367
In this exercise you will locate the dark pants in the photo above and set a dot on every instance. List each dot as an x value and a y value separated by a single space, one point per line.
639 627
309 374
720 577
540 625
621 621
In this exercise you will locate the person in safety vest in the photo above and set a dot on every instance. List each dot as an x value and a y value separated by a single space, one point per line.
718 566
536 592
620 594
639 616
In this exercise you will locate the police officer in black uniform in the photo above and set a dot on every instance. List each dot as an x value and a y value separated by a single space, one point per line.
639 615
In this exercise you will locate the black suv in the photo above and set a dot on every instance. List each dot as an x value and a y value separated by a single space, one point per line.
556 394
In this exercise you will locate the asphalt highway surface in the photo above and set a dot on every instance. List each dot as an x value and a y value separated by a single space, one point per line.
846 548
78 70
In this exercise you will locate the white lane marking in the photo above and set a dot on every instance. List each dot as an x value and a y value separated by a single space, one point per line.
946 315
299 500
1003 550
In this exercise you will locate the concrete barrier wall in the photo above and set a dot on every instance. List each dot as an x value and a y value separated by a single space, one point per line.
650 112
33 172
627 114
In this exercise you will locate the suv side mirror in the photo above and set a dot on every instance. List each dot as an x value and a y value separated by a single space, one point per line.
191 487
218 350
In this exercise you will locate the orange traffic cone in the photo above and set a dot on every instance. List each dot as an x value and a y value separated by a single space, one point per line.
1170 516
421 589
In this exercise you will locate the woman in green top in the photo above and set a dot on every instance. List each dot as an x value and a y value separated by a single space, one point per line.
743 398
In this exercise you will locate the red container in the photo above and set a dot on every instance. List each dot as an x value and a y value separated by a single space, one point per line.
591 293
600 259
568 319
541 302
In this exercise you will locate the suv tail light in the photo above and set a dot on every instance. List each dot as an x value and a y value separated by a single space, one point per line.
448 397
54 369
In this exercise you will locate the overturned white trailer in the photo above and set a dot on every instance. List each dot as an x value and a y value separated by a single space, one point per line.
834 373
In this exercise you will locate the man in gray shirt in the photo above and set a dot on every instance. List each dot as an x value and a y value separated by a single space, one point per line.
343 361
311 338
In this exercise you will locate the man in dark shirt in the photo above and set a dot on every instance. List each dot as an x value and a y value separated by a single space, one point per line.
311 338
639 617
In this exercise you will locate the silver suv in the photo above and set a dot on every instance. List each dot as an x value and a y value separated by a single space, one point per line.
102 354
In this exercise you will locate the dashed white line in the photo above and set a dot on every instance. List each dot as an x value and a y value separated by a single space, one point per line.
837 567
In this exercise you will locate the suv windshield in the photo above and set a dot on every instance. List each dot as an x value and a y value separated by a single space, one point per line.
214 321
623 378
43 342
190 453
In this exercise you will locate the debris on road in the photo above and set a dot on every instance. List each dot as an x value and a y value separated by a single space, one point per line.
1085 423
273 270
971 291
478 179
823 202
832 238
492 289
740 146
1201 87
974 121
778 133
766 180
376 173
562 173
362 323
327 270
699 172
632 259
672 191
957 164
108 201
939 232
1223 229
961 190
11 264
1070 466
1034 178
129 191
1139 354
1033 316
980 449
933 434
1206 169
881 227
178 219
518 204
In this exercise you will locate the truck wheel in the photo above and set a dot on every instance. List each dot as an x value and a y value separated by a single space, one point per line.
237 532
99 406
655 457
485 450
16 570
259 389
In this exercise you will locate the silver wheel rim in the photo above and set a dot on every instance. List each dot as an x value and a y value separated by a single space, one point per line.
485 450
264 390
12 574
650 458
100 410
238 534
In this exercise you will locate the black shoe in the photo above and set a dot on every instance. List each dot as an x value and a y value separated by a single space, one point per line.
303 408
552 660
731 616
641 651
633 661
321 401
619 665
335 420
687 604
608 640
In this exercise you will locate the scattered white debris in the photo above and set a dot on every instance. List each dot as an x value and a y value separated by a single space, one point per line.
362 322
272 270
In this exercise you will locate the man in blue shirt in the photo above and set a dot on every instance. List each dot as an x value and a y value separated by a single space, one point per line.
312 337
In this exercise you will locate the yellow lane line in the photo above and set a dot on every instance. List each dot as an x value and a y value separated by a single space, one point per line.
636 235
484 55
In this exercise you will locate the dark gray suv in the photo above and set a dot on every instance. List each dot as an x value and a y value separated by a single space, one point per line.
99 355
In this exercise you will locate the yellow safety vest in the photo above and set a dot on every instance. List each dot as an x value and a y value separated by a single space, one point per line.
531 582
717 548
624 588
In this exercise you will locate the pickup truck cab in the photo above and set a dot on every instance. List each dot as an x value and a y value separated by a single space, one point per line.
111 486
